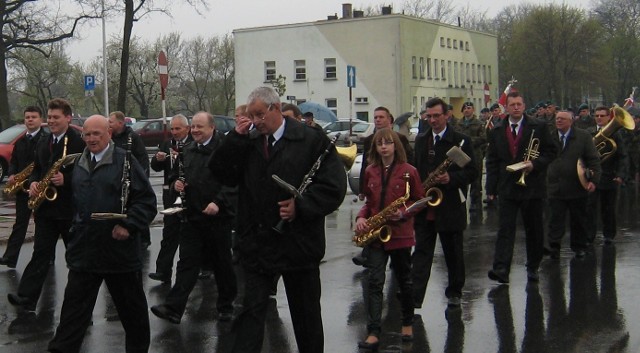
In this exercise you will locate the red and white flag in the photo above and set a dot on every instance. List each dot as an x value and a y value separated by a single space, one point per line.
503 98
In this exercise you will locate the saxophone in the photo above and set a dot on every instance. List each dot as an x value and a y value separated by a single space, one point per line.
44 189
19 182
377 224
454 155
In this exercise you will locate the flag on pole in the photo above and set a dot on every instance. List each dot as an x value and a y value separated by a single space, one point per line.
502 101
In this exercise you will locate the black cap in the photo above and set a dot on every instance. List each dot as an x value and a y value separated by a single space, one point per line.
466 104
308 115
485 110
583 106
495 106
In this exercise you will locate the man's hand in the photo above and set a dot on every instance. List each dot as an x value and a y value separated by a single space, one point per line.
33 189
119 232
179 186
591 187
361 224
618 180
443 178
243 125
529 166
287 209
212 209
58 179
160 156
11 178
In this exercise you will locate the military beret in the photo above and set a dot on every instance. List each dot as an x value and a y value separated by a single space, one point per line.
495 106
541 104
485 110
466 104
583 106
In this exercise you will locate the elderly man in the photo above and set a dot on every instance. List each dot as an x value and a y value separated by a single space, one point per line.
205 233
109 249
287 148
163 161
565 191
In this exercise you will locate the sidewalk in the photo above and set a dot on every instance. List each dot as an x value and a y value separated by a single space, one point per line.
7 217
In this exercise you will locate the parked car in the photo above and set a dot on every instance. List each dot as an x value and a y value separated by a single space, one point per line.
359 131
354 175
8 138
151 131
224 124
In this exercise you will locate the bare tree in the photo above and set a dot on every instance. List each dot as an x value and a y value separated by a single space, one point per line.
439 10
31 24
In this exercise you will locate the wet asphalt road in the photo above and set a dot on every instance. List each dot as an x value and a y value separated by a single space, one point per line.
588 305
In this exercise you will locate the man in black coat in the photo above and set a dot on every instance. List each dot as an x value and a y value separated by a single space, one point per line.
107 249
615 170
507 145
164 161
206 230
23 155
120 134
286 148
52 218
449 219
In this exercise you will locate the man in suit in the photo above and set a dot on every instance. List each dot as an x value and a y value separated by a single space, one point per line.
449 218
566 193
507 145
163 160
23 154
52 218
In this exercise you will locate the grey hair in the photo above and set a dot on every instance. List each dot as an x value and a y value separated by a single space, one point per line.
210 119
571 114
265 94
181 118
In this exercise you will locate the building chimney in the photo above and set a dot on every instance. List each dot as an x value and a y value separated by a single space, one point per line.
386 10
346 11
358 13
332 17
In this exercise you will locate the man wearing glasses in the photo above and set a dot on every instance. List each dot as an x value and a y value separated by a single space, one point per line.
249 158
449 219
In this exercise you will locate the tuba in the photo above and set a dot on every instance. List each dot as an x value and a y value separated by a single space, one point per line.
603 140
377 224
20 181
347 155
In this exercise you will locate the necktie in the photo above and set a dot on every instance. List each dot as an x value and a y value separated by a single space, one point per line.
271 140
437 139
513 130
92 164
55 140
563 140
29 136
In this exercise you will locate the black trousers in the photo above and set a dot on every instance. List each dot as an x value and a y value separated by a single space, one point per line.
303 295
577 223
606 201
170 237
377 259
452 248
531 212
19 231
199 240
80 298
46 237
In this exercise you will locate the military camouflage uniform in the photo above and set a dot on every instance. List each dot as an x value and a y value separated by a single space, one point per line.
474 128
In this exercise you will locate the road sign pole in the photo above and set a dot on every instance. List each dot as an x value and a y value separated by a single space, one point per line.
163 72
350 112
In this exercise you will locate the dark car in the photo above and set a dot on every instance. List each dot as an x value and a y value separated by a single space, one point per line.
224 124
8 138
151 131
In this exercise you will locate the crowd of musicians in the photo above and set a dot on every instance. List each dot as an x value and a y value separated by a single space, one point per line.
274 178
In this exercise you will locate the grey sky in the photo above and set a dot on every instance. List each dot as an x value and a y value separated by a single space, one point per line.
225 16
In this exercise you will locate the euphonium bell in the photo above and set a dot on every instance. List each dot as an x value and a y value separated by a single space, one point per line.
604 142
347 155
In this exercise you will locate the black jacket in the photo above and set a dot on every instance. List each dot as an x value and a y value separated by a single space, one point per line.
503 183
165 166
24 152
241 161
91 248
137 146
202 187
46 155
451 214
616 165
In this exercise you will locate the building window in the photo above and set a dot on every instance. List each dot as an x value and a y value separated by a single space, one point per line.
449 72
455 44
436 72
448 42
455 74
269 71
442 42
461 45
442 71
415 107
362 116
468 73
332 104
422 101
429 68
473 72
413 67
490 74
462 74
421 67
301 70
466 46
362 100
330 69
484 73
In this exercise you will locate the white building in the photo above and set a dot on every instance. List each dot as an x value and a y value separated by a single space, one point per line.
400 62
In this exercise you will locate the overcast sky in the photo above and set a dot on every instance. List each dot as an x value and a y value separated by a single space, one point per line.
225 16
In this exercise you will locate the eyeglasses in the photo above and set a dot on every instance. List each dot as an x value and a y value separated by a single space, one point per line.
384 143
261 116
602 115
433 116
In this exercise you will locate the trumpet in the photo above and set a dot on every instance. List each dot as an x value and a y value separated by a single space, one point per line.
454 155
530 154
20 181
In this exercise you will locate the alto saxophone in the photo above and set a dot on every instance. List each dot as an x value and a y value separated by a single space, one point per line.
44 189
19 182
377 224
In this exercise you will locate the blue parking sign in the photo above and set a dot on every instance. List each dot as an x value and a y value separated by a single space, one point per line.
89 82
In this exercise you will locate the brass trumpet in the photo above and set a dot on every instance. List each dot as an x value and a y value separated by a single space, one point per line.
530 154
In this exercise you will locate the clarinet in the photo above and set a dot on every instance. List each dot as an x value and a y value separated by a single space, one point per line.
306 181
126 177
183 194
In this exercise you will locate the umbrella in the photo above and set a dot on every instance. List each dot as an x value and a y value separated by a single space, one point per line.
402 118
320 112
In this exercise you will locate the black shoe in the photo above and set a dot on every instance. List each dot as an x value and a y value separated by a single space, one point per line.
580 254
162 311
7 262
145 245
454 302
498 276
205 274
369 346
21 301
159 276
359 260
532 275
225 317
